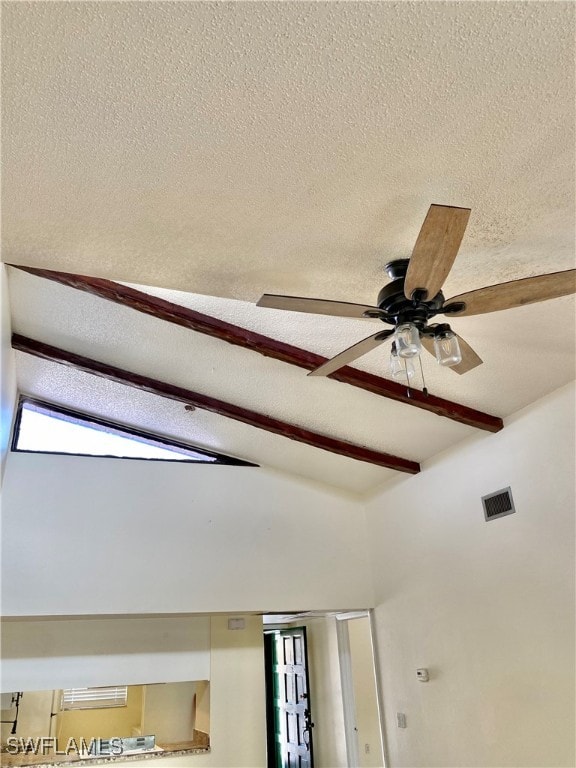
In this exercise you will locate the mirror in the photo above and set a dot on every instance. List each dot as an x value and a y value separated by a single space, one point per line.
92 724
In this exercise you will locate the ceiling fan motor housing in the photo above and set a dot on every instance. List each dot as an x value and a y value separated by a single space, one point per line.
397 307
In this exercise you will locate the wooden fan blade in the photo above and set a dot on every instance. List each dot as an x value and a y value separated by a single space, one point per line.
315 306
352 353
435 249
469 361
516 293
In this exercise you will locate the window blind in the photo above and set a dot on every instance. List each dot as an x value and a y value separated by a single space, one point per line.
94 698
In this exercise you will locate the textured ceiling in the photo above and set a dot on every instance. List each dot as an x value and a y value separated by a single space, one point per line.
237 148
231 149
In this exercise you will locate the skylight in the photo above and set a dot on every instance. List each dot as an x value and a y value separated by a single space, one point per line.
45 428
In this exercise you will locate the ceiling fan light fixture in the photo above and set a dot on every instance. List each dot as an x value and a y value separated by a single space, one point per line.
447 348
400 368
415 296
407 340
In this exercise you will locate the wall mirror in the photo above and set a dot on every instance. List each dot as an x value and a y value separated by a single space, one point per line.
85 726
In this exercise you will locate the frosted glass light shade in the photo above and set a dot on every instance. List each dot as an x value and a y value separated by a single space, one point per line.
447 349
407 339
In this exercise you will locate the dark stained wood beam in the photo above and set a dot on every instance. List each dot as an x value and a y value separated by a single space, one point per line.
233 334
261 421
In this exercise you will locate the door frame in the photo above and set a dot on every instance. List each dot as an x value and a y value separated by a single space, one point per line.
349 704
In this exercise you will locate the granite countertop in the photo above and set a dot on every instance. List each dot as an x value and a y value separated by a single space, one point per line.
47 761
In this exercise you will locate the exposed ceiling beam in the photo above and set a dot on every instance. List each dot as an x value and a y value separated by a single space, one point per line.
231 411
233 334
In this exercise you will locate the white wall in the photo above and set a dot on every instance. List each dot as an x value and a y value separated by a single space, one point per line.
7 371
169 712
104 536
237 711
94 652
488 607
33 716
368 726
325 693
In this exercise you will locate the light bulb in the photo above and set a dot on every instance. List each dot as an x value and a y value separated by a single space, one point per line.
400 368
447 348
407 340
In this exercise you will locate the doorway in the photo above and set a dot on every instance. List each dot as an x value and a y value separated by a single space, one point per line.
360 692
342 689
288 709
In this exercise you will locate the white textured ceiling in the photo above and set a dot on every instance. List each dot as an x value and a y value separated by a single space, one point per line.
232 149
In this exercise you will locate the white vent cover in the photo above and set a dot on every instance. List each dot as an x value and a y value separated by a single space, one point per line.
498 504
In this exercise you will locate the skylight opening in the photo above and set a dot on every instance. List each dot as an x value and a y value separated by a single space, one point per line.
45 428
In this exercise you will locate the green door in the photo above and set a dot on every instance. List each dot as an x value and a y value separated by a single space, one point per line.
288 699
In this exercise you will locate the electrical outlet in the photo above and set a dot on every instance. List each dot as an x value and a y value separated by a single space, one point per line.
367 749
401 719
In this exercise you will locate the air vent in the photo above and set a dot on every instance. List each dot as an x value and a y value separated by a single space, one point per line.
498 504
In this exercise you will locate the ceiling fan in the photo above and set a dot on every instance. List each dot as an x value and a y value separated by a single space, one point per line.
414 298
